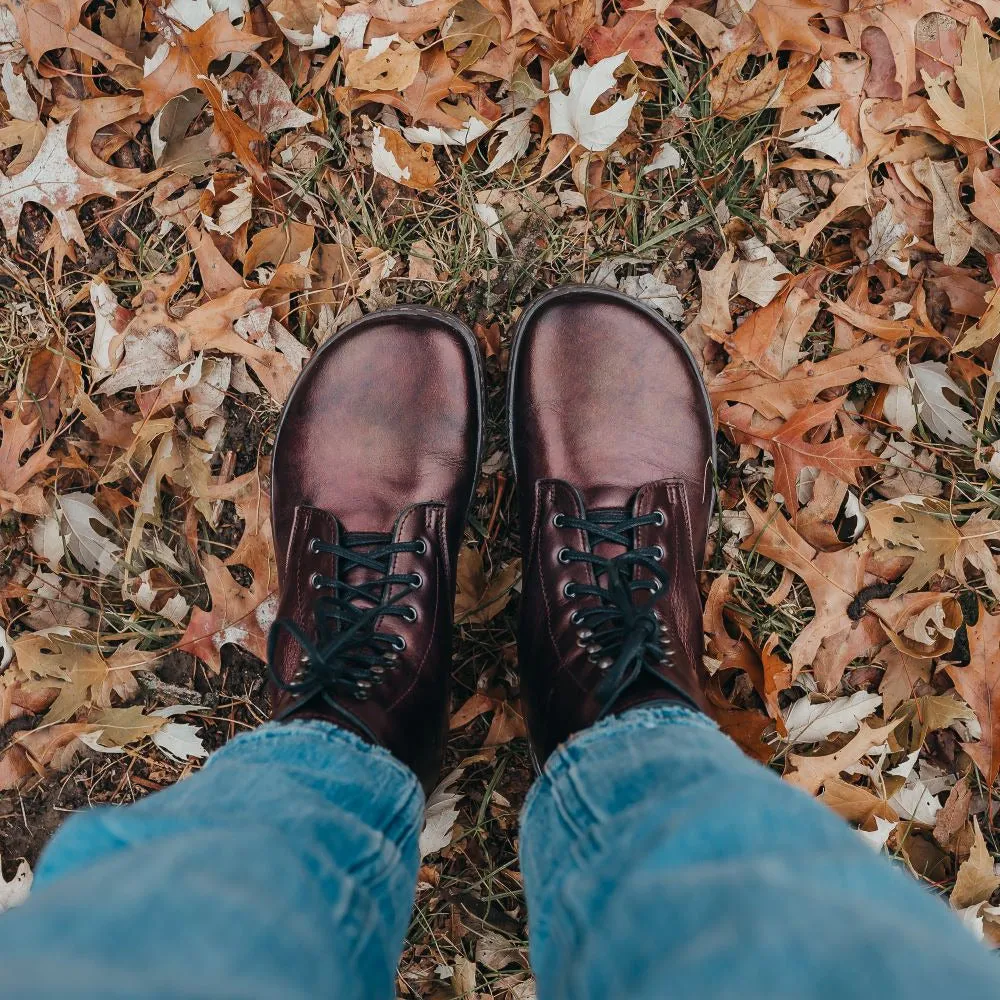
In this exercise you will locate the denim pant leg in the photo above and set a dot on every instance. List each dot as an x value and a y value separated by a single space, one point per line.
659 861
285 868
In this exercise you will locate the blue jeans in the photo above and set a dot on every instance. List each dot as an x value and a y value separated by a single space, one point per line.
658 862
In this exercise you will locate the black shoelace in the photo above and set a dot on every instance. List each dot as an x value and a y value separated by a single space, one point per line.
622 636
349 657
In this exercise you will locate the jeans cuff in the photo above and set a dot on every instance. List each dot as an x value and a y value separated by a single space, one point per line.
614 727
321 732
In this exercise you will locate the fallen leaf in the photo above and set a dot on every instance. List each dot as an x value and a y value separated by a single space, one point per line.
55 182
812 722
811 773
572 114
978 684
976 880
389 63
15 892
977 76
440 815
393 158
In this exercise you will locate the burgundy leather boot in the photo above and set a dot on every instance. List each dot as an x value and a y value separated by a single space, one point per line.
374 466
613 446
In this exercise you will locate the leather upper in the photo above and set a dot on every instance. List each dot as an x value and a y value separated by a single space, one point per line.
382 434
607 410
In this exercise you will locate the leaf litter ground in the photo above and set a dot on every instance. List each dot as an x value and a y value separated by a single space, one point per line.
200 192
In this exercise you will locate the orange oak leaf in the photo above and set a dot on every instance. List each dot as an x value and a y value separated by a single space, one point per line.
634 32
18 436
796 443
782 396
979 686
43 25
185 58
239 615
832 639
434 83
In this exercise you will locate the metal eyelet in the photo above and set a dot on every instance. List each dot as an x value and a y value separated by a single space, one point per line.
574 619
416 581
563 555
605 663
660 554
316 581
422 547
398 643
569 591
409 614
661 518
314 545
558 521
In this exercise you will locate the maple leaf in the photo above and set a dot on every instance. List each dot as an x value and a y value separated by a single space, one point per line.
792 446
978 684
572 113
54 181
69 667
924 529
978 78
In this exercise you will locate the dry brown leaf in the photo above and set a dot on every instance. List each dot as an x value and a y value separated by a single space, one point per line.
434 84
634 32
782 395
831 640
922 529
44 25
855 803
239 615
952 820
395 158
921 625
978 684
812 772
54 181
18 436
903 679
798 442
187 65
976 880
978 79
383 68
477 600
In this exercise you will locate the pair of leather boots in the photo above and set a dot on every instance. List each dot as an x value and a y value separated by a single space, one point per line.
374 468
